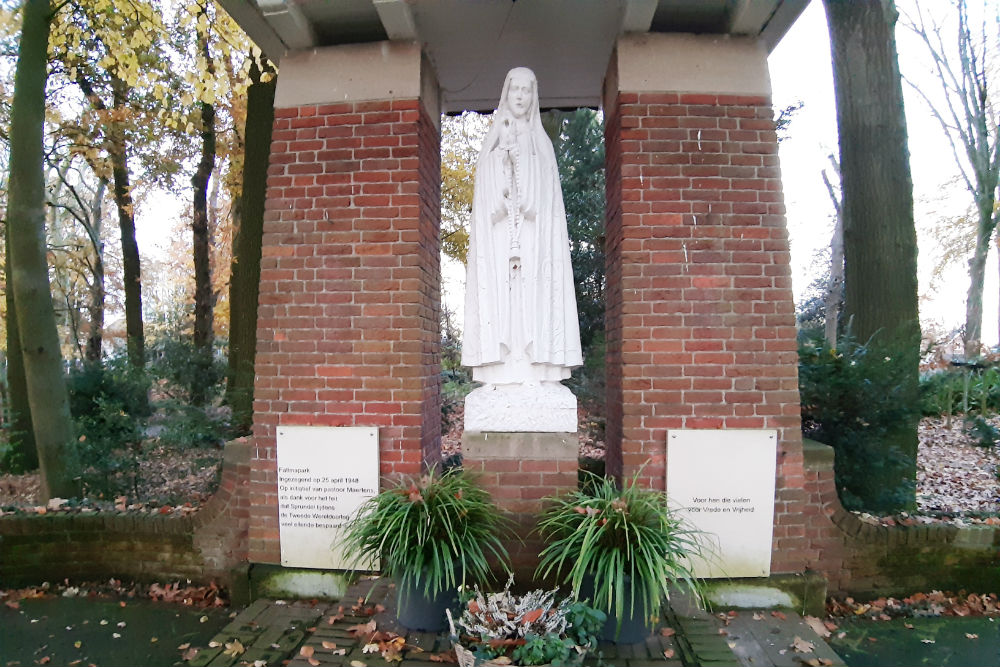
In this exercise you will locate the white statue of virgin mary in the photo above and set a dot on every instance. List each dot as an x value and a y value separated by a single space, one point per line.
521 323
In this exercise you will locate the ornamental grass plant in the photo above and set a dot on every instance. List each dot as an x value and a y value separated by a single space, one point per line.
432 533
625 539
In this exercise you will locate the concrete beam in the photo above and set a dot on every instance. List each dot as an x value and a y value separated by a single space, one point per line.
256 27
397 19
672 62
289 22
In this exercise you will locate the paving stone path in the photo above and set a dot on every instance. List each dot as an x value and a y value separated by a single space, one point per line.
311 634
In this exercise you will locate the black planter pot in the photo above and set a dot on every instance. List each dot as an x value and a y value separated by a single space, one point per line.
417 611
634 626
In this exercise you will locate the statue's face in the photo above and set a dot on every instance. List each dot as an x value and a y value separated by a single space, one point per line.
519 95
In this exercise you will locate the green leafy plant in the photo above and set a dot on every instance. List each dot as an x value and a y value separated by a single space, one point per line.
432 533
529 629
190 426
853 399
109 405
626 539
983 433
185 371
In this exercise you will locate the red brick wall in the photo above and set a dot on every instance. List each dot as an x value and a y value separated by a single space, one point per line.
210 545
700 315
347 329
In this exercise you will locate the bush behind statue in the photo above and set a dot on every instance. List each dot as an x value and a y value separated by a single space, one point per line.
852 398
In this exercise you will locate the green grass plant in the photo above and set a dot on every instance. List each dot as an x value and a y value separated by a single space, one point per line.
626 538
434 533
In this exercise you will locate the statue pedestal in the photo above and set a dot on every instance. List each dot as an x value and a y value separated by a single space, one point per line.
519 469
546 407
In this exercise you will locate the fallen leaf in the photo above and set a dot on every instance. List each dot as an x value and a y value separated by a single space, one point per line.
234 648
44 660
970 635
153 640
532 616
817 626
327 644
779 614
669 653
363 628
502 660
77 644
115 635
358 663
307 651
313 661
12 604
442 657
802 646
184 646
927 641
189 654
757 616
214 644
370 648
339 651
908 626
667 632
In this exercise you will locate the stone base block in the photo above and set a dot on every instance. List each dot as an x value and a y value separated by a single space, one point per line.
547 407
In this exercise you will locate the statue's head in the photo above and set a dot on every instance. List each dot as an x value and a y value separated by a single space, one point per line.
520 92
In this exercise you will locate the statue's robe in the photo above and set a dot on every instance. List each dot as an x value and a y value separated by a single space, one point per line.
537 318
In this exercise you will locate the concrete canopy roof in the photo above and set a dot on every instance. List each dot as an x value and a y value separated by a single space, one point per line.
472 43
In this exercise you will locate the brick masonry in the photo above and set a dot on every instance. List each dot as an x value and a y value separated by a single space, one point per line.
347 330
519 470
700 313
866 559
209 545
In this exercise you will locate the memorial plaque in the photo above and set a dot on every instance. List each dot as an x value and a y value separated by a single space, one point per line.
723 483
324 474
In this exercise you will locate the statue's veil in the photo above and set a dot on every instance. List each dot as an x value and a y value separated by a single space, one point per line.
503 113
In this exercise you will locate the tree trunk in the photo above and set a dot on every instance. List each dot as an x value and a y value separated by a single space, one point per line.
245 280
973 334
22 431
95 338
131 268
835 286
201 240
47 395
880 246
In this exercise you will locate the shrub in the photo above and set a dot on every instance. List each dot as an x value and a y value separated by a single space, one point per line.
189 373
109 404
190 426
947 391
852 400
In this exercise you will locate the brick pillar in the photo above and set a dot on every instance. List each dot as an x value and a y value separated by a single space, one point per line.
700 315
347 330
